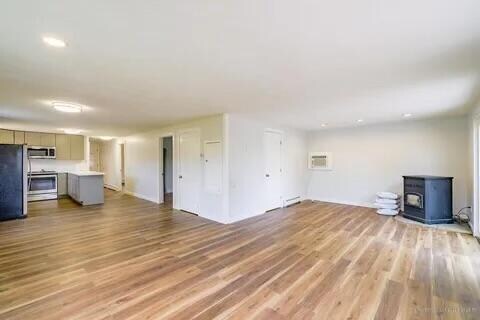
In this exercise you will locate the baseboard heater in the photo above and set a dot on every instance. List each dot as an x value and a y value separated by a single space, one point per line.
109 186
291 202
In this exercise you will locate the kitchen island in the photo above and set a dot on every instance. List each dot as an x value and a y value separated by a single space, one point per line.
86 187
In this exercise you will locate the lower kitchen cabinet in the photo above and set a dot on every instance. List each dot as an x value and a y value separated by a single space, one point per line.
86 187
62 183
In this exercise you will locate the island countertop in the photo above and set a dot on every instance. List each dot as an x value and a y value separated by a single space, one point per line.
86 173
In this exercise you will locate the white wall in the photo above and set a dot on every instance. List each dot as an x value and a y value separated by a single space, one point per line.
143 156
110 163
168 146
242 193
366 159
247 187
474 168
58 165
373 158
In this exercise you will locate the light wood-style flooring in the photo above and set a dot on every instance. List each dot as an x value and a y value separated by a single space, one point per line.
133 259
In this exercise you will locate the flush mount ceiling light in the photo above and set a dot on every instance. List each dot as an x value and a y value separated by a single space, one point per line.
323 125
54 42
407 115
72 131
66 107
360 120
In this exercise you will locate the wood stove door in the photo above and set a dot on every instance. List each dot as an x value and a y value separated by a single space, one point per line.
414 199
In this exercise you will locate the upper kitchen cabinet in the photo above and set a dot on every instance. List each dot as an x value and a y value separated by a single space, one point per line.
6 136
40 139
77 147
62 144
19 137
68 147
33 138
47 139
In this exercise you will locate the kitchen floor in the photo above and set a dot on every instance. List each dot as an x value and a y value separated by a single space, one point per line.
135 259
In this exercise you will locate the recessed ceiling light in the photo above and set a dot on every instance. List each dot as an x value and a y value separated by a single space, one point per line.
72 131
54 42
407 115
360 120
66 107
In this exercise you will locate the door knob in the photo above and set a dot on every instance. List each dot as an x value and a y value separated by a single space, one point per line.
180 177
267 175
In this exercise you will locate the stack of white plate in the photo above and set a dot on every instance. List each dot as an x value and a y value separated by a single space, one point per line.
388 203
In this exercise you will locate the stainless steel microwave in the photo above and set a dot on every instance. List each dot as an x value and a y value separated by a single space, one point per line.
42 152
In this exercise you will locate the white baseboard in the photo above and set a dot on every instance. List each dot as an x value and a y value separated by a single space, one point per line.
141 196
346 202
285 204
233 220
470 223
221 220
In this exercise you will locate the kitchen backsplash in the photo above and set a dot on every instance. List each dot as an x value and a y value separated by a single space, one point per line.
58 165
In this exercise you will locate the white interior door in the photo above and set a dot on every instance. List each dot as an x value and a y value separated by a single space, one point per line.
273 169
161 197
122 162
189 171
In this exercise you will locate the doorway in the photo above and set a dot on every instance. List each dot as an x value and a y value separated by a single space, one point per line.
167 170
273 169
189 171
475 212
94 159
122 165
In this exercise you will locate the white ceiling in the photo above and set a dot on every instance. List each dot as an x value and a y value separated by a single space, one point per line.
143 64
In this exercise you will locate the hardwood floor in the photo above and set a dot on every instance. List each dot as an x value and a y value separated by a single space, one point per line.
134 259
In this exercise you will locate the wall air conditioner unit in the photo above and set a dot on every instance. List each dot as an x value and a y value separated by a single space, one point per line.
320 161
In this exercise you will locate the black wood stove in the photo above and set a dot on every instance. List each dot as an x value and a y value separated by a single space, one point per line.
428 199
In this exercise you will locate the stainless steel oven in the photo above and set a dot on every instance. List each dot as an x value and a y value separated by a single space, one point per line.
42 186
42 152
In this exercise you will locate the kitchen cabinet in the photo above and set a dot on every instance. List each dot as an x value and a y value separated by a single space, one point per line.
68 147
62 144
33 138
73 186
86 187
19 137
6 136
62 184
47 139
77 147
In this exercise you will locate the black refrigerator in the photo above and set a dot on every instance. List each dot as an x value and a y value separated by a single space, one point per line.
13 181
